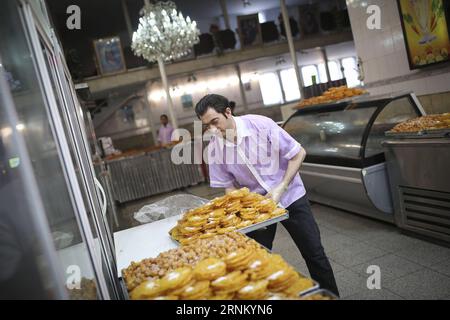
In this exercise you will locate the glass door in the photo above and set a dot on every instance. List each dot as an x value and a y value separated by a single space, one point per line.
91 213
67 263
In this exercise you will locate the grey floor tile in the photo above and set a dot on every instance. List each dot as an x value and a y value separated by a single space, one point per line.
423 284
382 294
442 267
426 254
393 241
356 254
391 266
337 241
337 267
349 283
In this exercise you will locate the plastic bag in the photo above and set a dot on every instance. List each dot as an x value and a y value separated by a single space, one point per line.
168 207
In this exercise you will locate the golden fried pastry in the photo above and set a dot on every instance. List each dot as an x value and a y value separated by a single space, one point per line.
300 285
196 291
147 290
189 230
176 278
281 279
240 193
210 225
188 240
262 272
266 206
210 269
229 283
244 224
179 291
226 230
230 220
239 260
207 235
262 217
248 213
219 201
278 212
253 290
222 296
196 220
217 213
171 297
276 296
233 207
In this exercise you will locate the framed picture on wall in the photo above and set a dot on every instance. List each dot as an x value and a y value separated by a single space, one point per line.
109 54
249 30
426 26
186 101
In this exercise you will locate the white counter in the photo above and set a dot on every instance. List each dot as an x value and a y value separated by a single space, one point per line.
144 241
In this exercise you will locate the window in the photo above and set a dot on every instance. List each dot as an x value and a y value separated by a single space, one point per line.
290 84
270 88
322 73
351 71
335 70
308 73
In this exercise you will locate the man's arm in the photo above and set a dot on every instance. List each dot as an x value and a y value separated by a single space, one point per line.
293 166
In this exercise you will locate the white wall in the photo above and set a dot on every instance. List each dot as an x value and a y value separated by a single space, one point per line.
384 55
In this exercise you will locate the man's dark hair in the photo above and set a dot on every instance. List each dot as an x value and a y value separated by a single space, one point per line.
215 101
164 116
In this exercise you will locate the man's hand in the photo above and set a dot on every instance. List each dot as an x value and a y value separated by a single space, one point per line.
276 193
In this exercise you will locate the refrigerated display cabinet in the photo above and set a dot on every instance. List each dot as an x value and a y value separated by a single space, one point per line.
55 242
345 165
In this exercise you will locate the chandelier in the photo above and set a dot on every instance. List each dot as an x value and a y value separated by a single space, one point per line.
163 33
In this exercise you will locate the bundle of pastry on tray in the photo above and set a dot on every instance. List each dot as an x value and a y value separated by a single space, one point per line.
236 210
225 267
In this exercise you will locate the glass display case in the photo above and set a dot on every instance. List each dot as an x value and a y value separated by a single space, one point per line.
345 164
54 240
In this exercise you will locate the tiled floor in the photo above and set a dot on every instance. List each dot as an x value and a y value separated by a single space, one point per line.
410 268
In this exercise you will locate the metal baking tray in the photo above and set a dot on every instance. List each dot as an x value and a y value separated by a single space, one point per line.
256 226
263 224
322 292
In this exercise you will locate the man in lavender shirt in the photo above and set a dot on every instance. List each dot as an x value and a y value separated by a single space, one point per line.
253 151
165 131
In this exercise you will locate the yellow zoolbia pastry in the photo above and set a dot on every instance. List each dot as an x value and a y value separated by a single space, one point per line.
226 230
176 278
239 260
262 217
147 290
278 212
281 279
199 290
253 291
228 283
210 269
300 285
171 297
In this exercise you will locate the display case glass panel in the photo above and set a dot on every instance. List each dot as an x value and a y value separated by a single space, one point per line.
38 130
